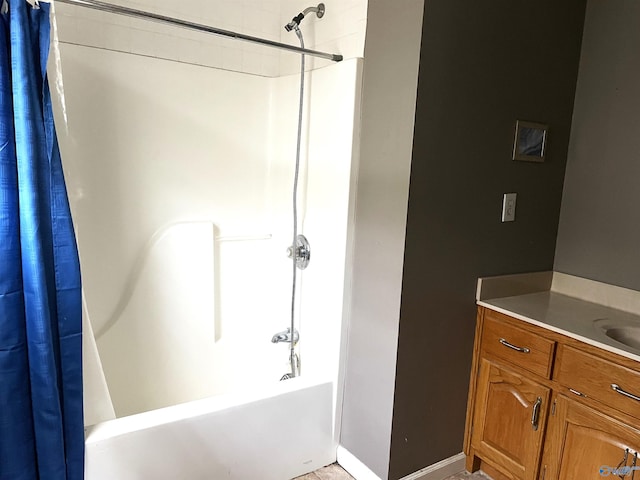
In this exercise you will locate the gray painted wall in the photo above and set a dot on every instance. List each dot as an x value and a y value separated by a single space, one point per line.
390 77
599 234
483 65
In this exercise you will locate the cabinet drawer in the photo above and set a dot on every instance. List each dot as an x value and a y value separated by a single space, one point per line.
516 346
595 377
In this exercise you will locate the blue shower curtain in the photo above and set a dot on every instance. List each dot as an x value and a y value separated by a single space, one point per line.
41 420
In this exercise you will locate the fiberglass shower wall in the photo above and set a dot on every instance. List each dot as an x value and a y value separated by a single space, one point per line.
180 172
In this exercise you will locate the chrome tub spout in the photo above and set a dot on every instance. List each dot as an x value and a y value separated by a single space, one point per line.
285 336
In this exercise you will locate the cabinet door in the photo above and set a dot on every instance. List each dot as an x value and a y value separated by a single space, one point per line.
586 444
509 420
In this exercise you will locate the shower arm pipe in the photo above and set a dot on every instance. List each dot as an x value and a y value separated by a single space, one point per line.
130 12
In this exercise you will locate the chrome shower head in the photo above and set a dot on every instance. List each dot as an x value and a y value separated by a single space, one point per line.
295 21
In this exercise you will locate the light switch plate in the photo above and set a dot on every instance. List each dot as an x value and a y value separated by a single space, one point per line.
509 207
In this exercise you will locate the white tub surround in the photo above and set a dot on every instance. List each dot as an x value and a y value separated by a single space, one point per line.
162 333
182 217
341 30
96 396
563 307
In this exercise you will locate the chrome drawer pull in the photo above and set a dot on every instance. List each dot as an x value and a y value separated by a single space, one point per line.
514 347
617 389
536 413
576 392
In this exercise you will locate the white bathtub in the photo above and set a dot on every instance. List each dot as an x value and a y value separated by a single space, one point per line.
283 432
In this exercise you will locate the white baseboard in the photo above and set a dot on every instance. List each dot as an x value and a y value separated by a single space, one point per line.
437 471
354 466
440 470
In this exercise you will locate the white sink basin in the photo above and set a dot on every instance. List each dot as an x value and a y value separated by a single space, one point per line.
622 331
627 335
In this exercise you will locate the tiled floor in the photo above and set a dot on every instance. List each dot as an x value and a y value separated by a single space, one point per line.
331 472
335 472
468 476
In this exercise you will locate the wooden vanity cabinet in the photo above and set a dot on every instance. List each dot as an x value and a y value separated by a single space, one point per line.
510 411
527 418
582 443
593 377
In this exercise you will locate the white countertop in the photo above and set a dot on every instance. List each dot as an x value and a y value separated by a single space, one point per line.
569 316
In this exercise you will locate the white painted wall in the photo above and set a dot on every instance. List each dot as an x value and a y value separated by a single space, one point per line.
390 75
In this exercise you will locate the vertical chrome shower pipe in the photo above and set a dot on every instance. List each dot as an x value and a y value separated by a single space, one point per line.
299 251
292 353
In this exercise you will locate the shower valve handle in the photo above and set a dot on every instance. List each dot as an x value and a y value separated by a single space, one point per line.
302 252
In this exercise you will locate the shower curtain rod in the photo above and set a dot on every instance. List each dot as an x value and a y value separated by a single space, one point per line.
130 12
